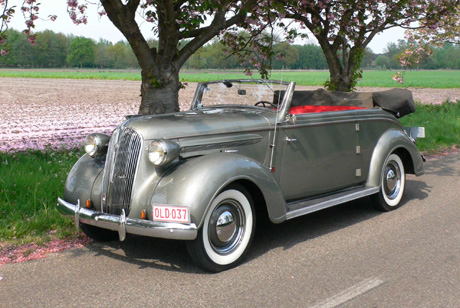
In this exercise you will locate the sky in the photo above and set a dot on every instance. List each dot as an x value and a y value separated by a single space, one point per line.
101 27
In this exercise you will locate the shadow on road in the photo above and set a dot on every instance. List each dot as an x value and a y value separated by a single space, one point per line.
416 190
172 255
444 166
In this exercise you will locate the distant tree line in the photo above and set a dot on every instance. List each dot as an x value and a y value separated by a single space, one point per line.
447 57
215 56
57 50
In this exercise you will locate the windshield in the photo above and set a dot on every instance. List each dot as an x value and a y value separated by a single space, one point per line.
245 93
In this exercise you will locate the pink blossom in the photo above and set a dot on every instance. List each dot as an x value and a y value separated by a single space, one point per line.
398 78
29 23
32 39
4 52
72 3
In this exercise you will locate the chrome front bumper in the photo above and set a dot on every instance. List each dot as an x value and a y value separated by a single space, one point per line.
124 224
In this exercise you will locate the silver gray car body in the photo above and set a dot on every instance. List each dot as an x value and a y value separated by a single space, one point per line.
291 164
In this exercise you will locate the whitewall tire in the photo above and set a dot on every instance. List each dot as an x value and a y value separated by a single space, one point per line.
227 230
392 184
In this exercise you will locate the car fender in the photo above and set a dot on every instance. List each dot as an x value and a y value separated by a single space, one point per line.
82 178
195 183
390 141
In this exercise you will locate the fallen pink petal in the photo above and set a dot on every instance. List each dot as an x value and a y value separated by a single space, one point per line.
61 113
28 252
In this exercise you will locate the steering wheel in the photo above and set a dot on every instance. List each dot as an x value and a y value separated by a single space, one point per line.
266 103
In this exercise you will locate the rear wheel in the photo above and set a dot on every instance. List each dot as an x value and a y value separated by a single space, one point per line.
99 234
393 183
227 231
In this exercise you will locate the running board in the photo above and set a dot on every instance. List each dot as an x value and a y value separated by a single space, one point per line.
304 207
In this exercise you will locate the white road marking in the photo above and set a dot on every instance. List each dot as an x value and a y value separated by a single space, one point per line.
350 293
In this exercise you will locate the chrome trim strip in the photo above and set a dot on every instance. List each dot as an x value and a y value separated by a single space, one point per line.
219 145
123 224
339 121
314 205
373 115
108 168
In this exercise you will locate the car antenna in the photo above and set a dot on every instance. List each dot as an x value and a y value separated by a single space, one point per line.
272 145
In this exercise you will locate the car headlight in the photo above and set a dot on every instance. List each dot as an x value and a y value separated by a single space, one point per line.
96 144
162 152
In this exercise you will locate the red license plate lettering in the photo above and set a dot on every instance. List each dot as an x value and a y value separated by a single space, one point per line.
171 213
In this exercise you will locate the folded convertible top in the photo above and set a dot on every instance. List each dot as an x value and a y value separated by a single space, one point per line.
397 101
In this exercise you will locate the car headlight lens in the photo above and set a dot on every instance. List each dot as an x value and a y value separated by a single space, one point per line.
96 144
162 152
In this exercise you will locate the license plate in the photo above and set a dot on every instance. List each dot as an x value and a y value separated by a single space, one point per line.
171 213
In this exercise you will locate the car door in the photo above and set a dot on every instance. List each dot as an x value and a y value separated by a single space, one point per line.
320 154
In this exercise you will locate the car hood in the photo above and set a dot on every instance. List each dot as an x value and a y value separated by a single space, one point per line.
200 122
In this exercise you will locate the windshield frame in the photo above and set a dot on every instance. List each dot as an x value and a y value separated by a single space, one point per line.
196 102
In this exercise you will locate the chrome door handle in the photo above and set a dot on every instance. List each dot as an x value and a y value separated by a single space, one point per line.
290 140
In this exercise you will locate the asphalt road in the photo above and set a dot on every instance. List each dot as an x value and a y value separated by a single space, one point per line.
348 256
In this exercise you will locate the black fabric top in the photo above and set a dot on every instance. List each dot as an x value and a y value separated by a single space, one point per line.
397 101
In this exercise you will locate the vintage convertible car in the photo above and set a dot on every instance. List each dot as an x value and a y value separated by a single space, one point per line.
245 149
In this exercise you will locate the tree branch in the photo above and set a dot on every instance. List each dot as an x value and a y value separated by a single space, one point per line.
171 38
204 35
123 17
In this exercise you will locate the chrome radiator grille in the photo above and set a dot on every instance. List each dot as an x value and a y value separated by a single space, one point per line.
120 170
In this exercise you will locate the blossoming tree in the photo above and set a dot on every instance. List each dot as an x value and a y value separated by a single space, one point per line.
344 28
182 27
422 40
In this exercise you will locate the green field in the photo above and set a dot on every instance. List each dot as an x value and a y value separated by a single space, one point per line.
415 79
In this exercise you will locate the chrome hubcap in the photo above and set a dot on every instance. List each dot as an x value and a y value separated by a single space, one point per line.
392 180
226 227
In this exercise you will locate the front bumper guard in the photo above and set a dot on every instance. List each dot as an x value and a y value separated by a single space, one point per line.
123 224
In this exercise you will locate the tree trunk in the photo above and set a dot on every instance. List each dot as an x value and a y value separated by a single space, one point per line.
340 82
340 79
160 91
340 72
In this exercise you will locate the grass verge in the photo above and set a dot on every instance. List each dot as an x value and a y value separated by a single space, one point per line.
29 186
31 182
442 126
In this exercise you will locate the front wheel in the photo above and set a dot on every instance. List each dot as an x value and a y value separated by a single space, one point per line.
393 183
227 231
